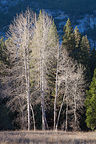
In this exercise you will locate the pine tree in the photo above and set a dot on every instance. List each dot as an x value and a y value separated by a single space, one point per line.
3 52
77 49
78 46
85 50
53 68
81 52
68 38
5 119
77 36
82 49
91 104
92 61
4 66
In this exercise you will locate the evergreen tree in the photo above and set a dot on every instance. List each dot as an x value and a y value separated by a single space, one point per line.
77 36
52 72
81 52
77 49
85 50
3 52
5 118
82 49
4 63
92 61
77 46
91 104
68 38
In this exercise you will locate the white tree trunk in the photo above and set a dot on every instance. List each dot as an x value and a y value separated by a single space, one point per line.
60 112
42 91
33 117
56 89
66 125
20 33
75 108
55 101
26 64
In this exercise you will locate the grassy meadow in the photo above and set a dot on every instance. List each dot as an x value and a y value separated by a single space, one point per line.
47 137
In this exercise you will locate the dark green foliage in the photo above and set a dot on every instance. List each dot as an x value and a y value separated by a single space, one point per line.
77 36
81 52
76 44
5 120
5 116
92 61
76 53
68 38
3 52
85 49
83 55
4 63
38 118
91 104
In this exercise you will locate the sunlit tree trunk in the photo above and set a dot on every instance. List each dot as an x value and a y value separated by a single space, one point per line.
20 33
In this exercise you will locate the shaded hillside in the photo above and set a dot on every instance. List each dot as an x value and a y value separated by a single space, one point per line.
9 8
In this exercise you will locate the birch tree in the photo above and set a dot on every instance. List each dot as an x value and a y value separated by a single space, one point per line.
66 68
78 91
71 87
20 33
44 47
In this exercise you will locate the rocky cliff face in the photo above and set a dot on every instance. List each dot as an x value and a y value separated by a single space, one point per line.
9 2
6 4
85 22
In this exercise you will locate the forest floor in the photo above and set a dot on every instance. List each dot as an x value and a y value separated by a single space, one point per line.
47 137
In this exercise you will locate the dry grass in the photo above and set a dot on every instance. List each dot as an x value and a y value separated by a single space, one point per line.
47 137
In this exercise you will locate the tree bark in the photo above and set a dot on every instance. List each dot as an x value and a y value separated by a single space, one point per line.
26 64
60 112
33 117
75 108
66 126
56 89
55 101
